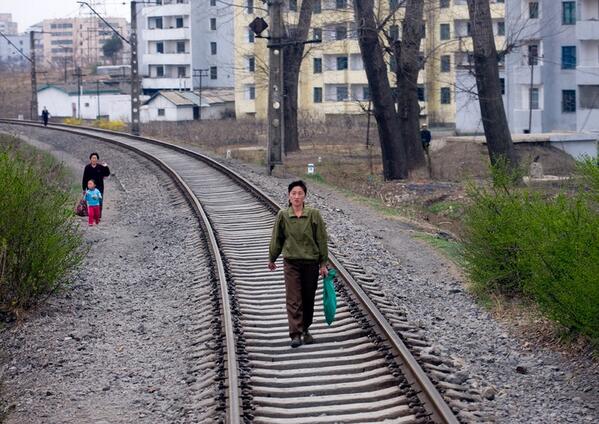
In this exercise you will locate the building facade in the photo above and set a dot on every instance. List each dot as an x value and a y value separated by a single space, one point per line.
7 26
11 54
79 41
332 78
553 73
184 45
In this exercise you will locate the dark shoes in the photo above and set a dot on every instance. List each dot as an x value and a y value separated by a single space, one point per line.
308 339
296 341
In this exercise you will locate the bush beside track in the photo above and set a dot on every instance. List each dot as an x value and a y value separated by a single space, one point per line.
519 242
39 237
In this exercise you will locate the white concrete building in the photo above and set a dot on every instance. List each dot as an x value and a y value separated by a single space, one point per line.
177 37
187 105
587 70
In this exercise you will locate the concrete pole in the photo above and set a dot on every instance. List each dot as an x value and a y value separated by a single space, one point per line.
34 114
275 88
135 90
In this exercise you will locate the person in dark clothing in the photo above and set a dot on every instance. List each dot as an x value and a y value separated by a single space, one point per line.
425 138
45 116
94 171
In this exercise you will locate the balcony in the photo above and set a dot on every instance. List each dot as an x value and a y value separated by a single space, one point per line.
587 75
167 59
164 83
164 34
344 77
522 74
587 30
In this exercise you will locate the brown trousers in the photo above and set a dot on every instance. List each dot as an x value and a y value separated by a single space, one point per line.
301 280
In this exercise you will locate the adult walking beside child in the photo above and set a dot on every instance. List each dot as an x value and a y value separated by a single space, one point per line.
97 172
299 233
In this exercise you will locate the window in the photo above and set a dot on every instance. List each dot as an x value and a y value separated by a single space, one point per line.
444 31
589 97
533 54
213 47
212 2
421 93
533 10
342 93
250 6
445 95
179 22
213 24
444 3
251 36
213 73
317 6
251 64
317 33
181 71
317 96
160 112
568 101
340 4
445 63
569 13
252 92
533 98
160 71
393 64
341 63
393 4
502 85
365 93
293 5
180 46
394 32
158 22
340 32
468 29
568 57
500 27
317 65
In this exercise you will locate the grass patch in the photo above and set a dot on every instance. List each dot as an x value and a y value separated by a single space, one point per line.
40 242
451 249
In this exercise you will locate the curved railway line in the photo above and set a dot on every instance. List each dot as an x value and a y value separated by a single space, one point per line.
359 369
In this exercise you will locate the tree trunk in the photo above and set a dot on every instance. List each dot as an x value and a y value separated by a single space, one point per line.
497 132
292 61
393 150
407 56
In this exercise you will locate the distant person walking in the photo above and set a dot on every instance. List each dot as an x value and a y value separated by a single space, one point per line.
93 197
300 234
425 138
94 171
45 116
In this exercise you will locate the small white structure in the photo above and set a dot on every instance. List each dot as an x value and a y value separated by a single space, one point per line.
188 105
89 102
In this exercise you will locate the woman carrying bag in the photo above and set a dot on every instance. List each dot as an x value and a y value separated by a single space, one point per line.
299 233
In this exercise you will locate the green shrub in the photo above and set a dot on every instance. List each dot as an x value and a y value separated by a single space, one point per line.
37 228
522 243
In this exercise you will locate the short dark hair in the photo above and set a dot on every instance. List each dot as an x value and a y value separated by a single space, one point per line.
298 183
94 153
92 180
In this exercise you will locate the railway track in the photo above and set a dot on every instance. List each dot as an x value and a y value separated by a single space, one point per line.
359 369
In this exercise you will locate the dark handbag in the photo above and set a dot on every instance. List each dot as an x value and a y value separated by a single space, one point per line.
81 208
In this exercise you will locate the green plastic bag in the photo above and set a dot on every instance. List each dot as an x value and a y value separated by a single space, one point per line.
329 299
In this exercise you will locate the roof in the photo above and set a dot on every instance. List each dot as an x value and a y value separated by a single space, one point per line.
72 89
210 96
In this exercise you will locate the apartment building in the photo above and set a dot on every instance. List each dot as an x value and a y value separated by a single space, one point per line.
183 44
332 78
553 74
80 40
7 26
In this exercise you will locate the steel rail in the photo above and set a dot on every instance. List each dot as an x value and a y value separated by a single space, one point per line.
234 408
429 395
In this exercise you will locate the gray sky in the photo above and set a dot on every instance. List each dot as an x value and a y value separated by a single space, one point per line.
29 12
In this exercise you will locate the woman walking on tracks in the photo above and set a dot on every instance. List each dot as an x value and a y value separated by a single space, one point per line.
300 234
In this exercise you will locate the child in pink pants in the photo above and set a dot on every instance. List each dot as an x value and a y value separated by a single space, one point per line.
93 197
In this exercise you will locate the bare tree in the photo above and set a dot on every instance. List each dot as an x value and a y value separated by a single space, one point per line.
406 54
293 55
394 152
497 133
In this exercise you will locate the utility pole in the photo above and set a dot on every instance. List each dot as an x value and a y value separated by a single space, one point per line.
33 77
98 97
276 124
135 103
531 60
200 73
78 75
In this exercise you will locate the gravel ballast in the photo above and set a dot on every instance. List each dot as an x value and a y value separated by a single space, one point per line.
122 343
528 383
